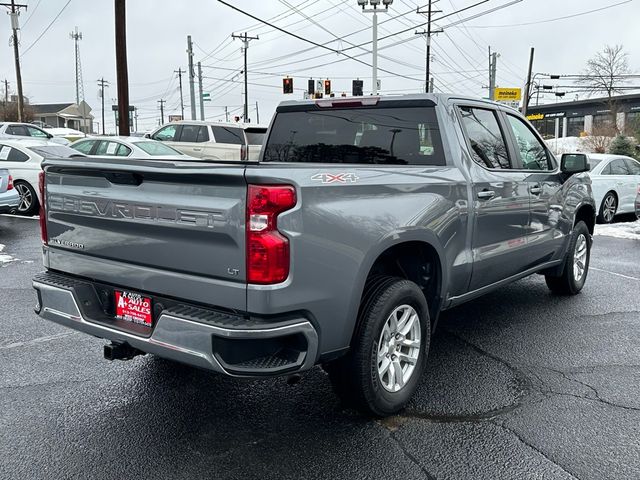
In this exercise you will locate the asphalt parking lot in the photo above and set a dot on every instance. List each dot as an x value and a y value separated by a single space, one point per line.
521 384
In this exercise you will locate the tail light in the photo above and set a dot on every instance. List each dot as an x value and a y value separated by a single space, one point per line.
10 187
43 210
243 152
267 249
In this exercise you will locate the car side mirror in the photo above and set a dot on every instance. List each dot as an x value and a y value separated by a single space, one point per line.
574 163
49 136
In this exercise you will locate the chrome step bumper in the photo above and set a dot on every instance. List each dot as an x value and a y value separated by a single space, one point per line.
185 334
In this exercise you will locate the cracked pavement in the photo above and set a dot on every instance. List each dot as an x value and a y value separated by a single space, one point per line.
520 384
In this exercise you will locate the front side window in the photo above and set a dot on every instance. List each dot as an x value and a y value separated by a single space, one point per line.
84 147
394 136
230 135
488 146
36 132
633 166
166 134
617 167
533 154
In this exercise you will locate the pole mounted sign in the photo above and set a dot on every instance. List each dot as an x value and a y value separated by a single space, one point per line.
507 94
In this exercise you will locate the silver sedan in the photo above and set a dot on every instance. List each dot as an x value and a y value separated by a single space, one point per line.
133 147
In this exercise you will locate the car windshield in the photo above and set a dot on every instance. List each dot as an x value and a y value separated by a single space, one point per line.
156 149
59 151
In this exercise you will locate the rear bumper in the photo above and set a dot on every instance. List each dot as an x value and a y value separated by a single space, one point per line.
9 202
226 343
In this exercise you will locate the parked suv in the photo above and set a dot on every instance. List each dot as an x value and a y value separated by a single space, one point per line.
213 141
365 218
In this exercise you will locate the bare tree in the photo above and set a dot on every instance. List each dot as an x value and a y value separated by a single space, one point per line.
599 140
607 73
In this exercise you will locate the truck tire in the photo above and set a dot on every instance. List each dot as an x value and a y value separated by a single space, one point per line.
576 264
389 349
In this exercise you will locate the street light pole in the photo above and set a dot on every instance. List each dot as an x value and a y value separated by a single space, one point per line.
374 4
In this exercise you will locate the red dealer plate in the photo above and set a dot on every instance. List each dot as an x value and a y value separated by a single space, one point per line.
133 307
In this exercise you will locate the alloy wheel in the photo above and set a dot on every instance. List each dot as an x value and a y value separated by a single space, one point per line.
609 208
26 198
398 348
580 258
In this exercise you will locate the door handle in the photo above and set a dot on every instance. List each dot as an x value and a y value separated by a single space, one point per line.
535 189
197 149
486 194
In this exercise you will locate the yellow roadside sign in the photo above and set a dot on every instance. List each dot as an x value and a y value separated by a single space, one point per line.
507 94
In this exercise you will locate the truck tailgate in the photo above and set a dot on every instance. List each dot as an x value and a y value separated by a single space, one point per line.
148 224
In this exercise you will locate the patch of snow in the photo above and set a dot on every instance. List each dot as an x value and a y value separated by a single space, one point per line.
567 145
629 230
5 257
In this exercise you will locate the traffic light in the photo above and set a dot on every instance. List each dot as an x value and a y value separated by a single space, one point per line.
287 85
357 88
311 87
327 87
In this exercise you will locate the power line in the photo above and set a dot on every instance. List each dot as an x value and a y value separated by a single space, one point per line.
24 52
551 19
33 10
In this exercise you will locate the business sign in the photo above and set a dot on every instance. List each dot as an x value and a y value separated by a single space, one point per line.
507 94
536 116
175 118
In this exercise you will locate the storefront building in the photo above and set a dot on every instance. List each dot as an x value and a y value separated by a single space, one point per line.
586 117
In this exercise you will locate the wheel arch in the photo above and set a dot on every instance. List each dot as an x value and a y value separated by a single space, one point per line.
391 256
587 214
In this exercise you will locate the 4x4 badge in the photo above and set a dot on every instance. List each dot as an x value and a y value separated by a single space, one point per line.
336 177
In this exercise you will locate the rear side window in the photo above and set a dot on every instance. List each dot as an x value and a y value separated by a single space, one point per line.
228 135
189 133
618 167
123 151
203 134
488 146
255 137
12 154
20 130
396 136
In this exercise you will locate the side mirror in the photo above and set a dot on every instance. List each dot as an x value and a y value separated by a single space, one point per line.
49 136
574 163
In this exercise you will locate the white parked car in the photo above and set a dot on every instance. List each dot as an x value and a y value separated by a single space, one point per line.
23 158
616 183
134 147
9 198
211 140
13 130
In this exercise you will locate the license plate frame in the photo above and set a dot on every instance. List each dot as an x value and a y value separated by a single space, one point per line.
133 307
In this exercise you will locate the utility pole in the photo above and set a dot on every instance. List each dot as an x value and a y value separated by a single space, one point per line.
374 4
192 76
527 87
493 60
257 113
15 26
200 91
226 114
161 102
6 98
180 72
102 83
121 68
431 85
135 117
428 32
245 42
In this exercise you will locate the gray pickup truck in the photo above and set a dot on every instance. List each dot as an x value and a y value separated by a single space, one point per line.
363 220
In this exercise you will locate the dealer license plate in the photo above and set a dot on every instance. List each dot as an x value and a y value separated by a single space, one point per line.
133 307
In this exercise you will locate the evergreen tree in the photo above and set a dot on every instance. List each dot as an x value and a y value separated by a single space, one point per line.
621 145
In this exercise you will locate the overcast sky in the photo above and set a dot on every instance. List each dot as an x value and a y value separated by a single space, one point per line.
157 32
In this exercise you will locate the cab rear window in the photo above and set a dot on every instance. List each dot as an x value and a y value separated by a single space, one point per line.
397 136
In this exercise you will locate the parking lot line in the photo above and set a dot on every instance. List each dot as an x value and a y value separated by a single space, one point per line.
35 217
616 274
